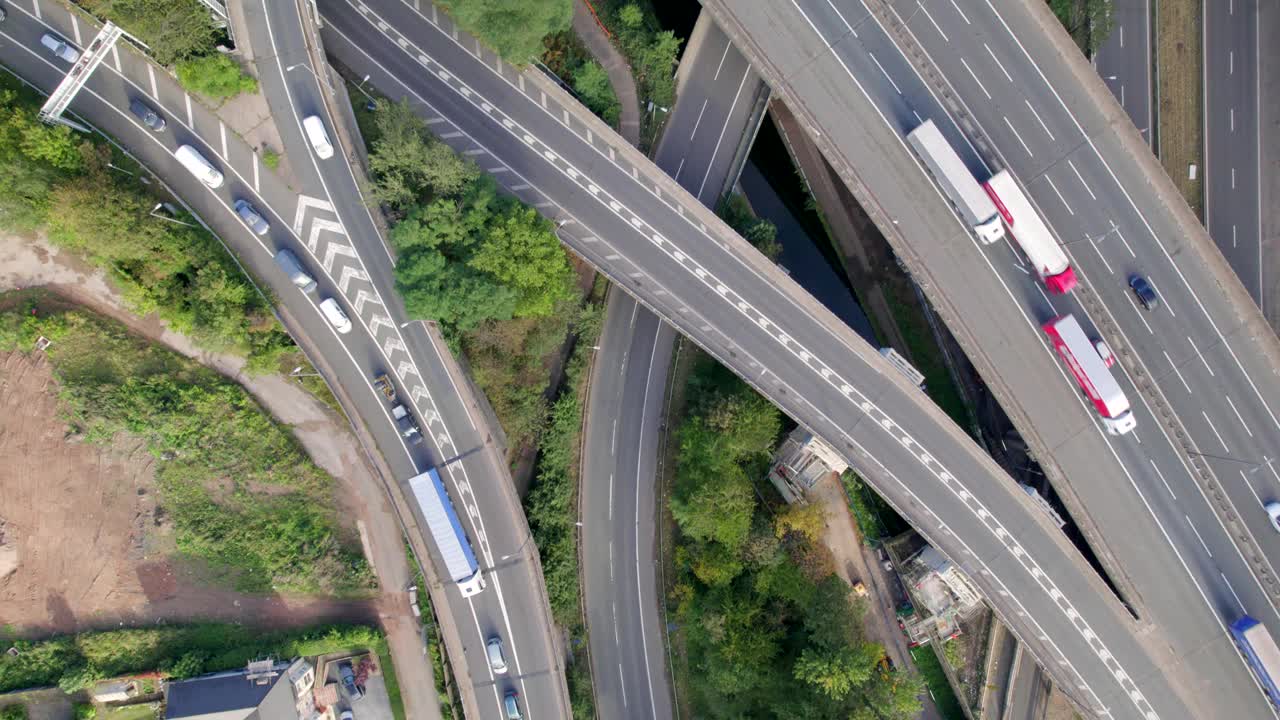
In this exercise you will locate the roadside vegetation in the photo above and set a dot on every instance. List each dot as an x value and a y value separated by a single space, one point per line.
565 55
74 662
514 30
57 181
935 678
766 627
179 34
652 53
552 506
244 502
449 705
762 234
483 265
1088 22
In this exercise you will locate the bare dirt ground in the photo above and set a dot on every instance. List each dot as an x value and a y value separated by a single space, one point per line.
79 543
82 545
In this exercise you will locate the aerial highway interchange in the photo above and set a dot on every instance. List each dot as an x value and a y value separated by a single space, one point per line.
1174 508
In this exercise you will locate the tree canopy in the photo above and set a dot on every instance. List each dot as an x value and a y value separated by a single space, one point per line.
513 29
769 630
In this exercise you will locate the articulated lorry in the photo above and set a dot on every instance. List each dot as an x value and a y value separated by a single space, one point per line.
983 205
974 206
1090 363
446 529
1029 231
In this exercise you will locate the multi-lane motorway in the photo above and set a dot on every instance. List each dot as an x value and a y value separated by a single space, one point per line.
1124 61
716 114
656 241
1232 138
1008 95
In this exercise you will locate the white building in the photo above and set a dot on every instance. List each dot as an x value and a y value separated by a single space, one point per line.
801 462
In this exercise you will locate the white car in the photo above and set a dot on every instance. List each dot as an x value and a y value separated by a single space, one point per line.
1273 512
318 137
336 316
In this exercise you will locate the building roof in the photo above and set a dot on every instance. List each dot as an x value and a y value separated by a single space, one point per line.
230 696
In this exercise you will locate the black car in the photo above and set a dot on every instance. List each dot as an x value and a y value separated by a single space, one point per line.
149 117
1146 294
348 676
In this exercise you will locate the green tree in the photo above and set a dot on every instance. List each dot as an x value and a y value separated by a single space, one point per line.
837 671
216 76
408 164
478 258
85 711
14 711
34 156
513 29
591 82
520 251
173 29
762 234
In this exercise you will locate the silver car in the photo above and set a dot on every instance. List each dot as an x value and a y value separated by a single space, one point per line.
251 217
60 47
497 662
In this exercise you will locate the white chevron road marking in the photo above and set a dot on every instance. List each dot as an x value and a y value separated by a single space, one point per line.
318 226
363 297
304 203
377 320
332 251
348 274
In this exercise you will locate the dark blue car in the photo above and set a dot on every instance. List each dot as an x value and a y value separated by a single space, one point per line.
1146 294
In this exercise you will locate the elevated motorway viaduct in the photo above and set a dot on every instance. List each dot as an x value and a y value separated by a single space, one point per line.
659 243
1162 506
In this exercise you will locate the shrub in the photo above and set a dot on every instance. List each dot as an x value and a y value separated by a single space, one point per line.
513 29
85 711
215 76
173 29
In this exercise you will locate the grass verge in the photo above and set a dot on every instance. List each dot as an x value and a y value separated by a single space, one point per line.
1180 95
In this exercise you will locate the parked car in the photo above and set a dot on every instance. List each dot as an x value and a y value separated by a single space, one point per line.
348 676
251 217
3 14
1273 511
1145 292
347 715
497 662
147 115
60 47
511 703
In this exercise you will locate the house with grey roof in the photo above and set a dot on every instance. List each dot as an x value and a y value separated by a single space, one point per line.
265 690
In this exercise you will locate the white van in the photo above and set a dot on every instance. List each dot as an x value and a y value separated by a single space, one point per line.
333 311
317 135
192 160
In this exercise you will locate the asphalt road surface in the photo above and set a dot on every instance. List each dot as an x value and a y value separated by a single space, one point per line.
1124 61
1233 140
703 145
617 210
980 57
318 229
